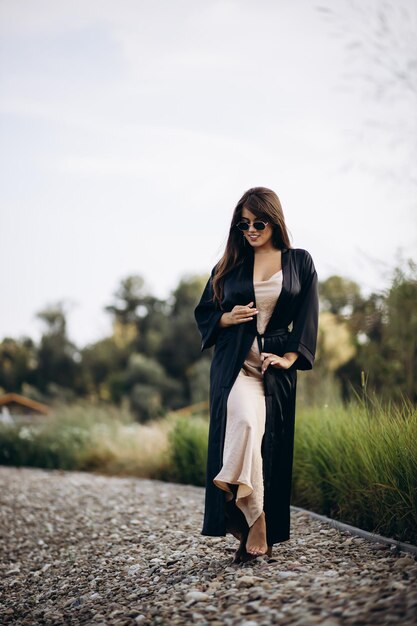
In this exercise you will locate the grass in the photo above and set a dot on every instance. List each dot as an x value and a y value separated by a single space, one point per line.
107 440
355 463
358 464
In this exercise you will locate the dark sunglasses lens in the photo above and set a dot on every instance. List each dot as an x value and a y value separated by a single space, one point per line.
259 225
242 226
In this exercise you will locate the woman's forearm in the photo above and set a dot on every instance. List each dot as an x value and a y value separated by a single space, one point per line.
291 356
224 320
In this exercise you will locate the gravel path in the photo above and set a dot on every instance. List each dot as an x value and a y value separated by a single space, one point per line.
80 548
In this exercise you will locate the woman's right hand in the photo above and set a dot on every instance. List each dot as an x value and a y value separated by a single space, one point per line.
238 315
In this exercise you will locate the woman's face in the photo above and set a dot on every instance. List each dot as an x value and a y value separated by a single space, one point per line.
256 238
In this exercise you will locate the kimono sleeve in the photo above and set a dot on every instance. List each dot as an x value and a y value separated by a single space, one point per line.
303 338
207 315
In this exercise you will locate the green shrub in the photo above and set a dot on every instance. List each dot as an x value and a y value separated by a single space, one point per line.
34 447
61 440
188 451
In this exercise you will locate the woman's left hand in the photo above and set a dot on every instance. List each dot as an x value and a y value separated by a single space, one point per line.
280 362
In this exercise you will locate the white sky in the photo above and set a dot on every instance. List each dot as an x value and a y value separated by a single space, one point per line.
130 129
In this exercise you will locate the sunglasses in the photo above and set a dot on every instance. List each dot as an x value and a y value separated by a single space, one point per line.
258 225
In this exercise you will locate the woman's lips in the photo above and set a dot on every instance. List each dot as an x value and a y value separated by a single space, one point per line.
253 237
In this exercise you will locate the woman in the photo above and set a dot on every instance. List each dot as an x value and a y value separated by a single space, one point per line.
258 288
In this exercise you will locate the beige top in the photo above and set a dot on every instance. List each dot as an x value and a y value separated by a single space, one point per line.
266 294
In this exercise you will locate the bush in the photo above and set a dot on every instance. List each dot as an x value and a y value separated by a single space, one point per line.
188 451
87 437
47 448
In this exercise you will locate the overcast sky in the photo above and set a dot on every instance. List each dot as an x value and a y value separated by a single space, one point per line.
130 129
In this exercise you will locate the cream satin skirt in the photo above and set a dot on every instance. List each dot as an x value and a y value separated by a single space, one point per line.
242 458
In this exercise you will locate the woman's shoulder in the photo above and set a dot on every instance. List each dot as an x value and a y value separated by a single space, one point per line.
304 260
214 269
301 253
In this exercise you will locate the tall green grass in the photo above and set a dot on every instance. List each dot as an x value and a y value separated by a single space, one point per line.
355 463
358 464
188 451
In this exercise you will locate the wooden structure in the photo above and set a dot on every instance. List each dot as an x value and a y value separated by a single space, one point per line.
17 408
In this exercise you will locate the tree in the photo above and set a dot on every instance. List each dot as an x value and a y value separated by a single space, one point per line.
339 295
135 308
18 363
59 370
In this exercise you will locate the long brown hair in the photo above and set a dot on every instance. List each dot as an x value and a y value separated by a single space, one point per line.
264 204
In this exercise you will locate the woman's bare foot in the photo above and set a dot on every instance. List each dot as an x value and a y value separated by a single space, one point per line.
256 543
241 556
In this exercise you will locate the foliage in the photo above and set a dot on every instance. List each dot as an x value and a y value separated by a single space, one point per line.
358 464
87 437
153 359
355 463
188 451
377 335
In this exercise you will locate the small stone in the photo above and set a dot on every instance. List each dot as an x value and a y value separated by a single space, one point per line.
403 562
284 574
196 596
109 569
247 581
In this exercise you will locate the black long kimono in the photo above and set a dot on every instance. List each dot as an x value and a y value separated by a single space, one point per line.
297 305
